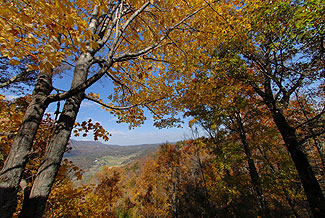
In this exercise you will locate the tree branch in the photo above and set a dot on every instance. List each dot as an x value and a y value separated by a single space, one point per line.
128 56
119 82
315 134
109 106
81 87
125 25
8 134
144 103
107 29
312 120
14 79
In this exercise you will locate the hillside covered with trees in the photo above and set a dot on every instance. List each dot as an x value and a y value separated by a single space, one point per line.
249 73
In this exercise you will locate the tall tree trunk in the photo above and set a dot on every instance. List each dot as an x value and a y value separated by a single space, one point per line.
11 173
256 181
309 182
35 205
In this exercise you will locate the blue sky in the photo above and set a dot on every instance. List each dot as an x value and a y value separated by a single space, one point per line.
121 135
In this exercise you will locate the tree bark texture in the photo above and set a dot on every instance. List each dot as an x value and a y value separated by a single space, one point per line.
309 182
11 173
35 205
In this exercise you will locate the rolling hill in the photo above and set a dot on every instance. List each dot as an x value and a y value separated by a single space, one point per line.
91 156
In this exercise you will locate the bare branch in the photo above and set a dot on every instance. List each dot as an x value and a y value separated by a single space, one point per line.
8 134
158 60
313 120
315 134
94 20
128 56
105 18
66 62
119 82
107 28
294 88
109 106
152 111
81 87
133 16
13 79
125 25
144 103
174 43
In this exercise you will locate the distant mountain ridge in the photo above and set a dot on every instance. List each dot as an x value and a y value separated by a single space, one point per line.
92 155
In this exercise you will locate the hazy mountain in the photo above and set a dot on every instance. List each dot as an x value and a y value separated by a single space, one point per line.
92 155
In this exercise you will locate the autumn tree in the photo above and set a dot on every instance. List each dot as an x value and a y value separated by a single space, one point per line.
280 46
238 124
123 41
99 199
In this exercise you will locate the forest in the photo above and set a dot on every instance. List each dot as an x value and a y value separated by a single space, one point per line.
249 73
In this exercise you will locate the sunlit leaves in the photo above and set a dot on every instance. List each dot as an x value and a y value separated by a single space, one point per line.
86 126
44 30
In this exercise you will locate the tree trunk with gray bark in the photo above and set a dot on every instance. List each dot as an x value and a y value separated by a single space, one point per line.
11 173
35 205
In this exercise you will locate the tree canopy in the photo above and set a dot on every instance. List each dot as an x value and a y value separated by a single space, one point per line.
251 73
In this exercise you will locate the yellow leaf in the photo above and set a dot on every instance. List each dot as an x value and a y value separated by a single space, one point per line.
32 67
14 62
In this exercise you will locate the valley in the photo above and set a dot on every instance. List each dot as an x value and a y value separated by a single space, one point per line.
91 156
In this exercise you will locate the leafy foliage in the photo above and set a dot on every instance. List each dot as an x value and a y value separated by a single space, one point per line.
250 73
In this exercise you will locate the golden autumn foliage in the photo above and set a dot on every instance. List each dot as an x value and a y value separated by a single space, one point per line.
249 73
188 179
